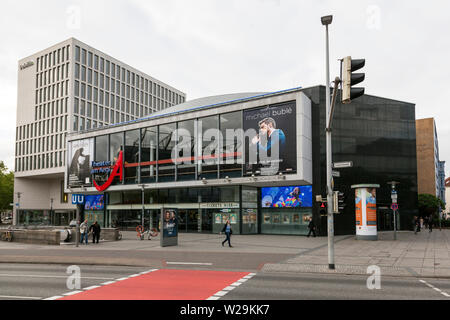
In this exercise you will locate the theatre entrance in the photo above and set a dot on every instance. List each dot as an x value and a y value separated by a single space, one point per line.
188 220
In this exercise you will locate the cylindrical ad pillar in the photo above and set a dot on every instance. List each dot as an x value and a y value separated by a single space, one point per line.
366 211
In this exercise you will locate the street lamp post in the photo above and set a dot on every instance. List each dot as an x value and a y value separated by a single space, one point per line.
326 21
143 204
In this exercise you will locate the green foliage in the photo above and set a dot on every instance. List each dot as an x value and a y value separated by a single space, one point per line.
429 204
6 188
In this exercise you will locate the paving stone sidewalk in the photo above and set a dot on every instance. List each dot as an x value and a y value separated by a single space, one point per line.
425 254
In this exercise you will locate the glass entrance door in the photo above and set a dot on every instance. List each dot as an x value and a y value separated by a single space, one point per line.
188 220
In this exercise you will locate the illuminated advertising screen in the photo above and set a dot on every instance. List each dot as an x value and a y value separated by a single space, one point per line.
94 202
271 145
287 197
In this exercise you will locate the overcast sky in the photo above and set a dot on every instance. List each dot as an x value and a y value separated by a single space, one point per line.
209 47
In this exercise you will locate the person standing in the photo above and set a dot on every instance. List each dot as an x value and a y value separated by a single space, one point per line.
312 227
430 223
95 229
228 232
415 222
84 231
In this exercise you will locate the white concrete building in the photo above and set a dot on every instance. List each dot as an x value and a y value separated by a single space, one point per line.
67 88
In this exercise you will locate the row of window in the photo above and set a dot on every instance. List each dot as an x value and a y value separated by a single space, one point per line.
38 145
101 65
51 109
95 95
52 92
40 128
95 111
148 152
43 161
53 58
52 76
81 123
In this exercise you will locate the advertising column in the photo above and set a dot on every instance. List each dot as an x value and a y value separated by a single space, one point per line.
169 234
366 211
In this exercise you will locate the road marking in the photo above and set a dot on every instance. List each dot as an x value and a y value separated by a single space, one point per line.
445 294
19 297
71 293
54 298
106 283
231 287
46 277
192 263
90 288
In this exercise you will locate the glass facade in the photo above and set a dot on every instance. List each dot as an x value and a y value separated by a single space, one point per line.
376 134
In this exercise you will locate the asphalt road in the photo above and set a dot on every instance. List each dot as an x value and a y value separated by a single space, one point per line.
35 282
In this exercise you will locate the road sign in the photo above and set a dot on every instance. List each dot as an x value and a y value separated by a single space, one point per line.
344 164
394 206
78 199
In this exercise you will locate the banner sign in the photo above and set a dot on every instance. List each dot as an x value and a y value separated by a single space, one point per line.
272 144
80 154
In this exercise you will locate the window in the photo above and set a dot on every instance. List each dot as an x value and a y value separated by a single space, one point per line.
131 156
166 169
185 153
209 147
231 147
83 56
90 57
77 54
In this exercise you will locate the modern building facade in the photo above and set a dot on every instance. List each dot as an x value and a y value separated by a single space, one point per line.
430 170
211 160
66 88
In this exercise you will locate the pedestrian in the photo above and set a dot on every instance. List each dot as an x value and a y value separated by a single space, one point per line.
418 224
430 223
312 227
415 224
84 231
95 229
228 232
421 223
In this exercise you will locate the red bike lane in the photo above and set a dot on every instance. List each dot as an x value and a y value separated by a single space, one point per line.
164 284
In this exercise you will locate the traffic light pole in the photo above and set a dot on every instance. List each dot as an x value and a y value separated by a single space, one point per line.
330 220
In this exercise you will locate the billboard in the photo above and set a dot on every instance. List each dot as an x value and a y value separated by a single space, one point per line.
366 212
169 235
272 145
94 202
80 154
286 197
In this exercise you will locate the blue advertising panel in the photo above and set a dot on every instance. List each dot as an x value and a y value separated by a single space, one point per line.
287 197
94 202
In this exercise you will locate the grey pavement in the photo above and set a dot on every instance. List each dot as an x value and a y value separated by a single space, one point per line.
412 255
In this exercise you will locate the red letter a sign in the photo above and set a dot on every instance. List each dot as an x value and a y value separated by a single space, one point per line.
117 171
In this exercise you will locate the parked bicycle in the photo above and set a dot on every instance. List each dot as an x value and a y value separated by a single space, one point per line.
8 235
141 233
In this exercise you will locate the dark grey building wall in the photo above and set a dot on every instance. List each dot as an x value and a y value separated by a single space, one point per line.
379 136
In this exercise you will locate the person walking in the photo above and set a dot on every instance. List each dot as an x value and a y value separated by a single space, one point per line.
312 227
415 222
84 231
418 224
228 232
430 223
95 229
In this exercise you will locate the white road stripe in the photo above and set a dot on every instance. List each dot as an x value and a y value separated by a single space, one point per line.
90 288
71 293
192 263
106 283
54 298
121 279
42 276
232 286
19 297
445 294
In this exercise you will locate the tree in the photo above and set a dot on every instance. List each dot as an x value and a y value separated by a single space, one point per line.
6 188
429 204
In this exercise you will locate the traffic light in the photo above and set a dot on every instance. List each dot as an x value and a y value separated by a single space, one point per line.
323 208
349 79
